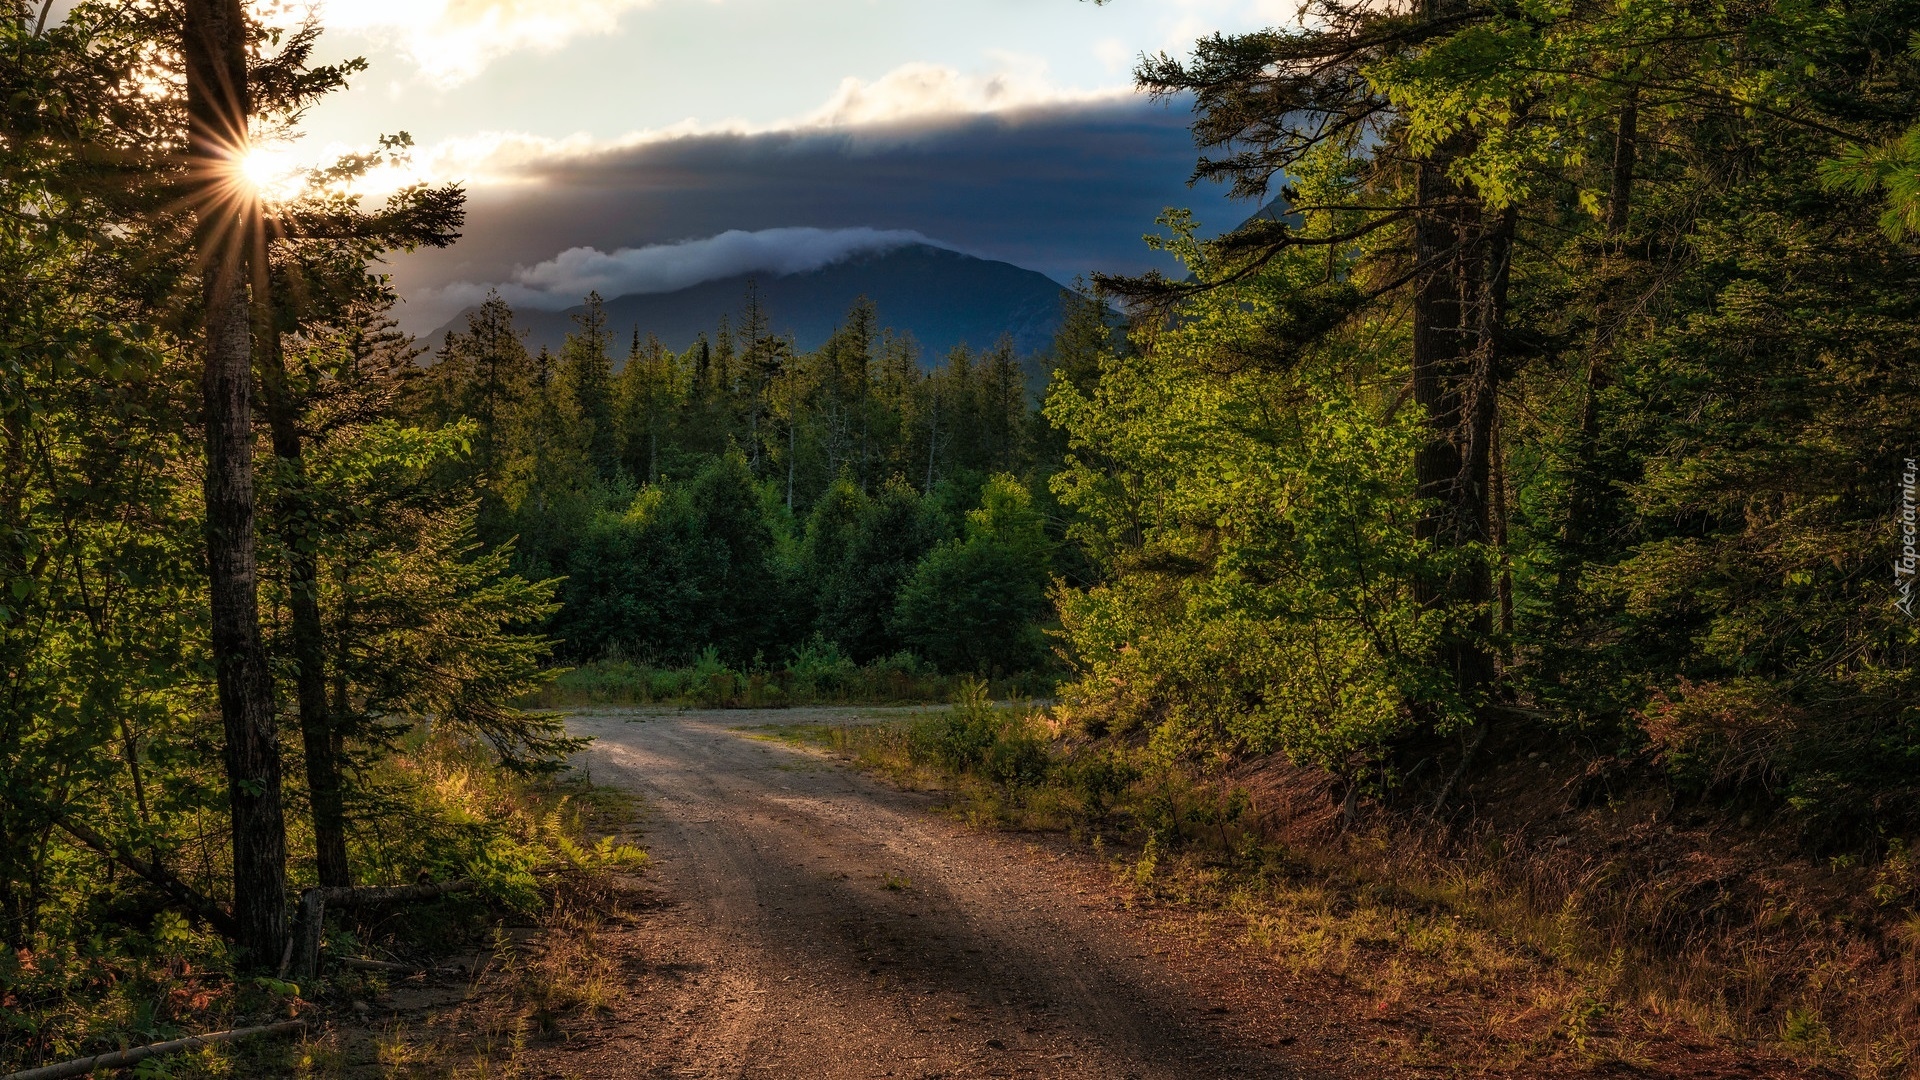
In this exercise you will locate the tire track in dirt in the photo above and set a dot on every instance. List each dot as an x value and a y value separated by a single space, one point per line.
813 923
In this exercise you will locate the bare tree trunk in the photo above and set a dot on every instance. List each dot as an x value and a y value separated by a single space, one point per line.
1505 588
1583 508
214 47
1486 419
120 1059
297 536
1625 151
1459 319
1450 384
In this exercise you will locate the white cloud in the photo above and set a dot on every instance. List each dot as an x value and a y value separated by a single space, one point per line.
451 41
917 90
561 282
488 157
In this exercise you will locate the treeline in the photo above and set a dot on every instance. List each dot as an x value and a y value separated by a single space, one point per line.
749 498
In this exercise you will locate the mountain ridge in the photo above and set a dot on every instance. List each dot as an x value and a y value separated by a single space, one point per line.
942 297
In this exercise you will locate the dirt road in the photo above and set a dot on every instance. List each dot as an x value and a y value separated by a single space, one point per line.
814 923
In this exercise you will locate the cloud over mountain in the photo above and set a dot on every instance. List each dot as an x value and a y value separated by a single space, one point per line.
1062 189
561 281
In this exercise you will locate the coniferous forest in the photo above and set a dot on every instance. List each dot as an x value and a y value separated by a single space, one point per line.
749 502
1547 452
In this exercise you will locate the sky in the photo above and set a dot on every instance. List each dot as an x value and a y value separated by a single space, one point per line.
631 145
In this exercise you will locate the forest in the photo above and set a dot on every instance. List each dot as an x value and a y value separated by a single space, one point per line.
1568 404
750 501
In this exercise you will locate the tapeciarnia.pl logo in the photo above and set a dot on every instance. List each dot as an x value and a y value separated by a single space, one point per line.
1905 565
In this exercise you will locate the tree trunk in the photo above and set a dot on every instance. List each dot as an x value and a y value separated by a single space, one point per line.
120 1059
1484 424
1451 383
1588 492
298 536
214 48
1625 150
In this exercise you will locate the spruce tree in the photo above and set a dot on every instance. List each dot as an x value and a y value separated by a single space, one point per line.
589 370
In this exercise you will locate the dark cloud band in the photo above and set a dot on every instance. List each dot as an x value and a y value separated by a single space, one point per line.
1063 190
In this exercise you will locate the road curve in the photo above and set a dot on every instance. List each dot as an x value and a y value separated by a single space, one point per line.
814 923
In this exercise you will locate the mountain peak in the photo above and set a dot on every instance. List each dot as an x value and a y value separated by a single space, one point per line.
942 297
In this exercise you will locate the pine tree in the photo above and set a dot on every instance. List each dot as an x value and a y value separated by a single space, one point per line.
589 371
1003 411
647 392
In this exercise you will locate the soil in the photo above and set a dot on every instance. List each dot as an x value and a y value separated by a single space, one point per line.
804 920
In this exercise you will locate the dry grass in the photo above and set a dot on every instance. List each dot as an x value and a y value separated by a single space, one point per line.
1636 912
1580 928
563 972
539 981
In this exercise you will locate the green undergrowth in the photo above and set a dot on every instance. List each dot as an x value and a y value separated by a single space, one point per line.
448 810
818 674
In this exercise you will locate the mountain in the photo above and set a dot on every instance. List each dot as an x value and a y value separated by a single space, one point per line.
1276 209
941 297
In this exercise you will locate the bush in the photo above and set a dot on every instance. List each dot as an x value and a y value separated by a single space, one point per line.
818 674
1017 760
958 740
1099 777
819 667
974 736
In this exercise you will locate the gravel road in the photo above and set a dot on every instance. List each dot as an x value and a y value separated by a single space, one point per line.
811 922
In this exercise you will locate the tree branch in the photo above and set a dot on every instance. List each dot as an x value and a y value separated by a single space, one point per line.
183 894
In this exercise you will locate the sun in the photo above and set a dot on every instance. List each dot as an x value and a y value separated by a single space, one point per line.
268 173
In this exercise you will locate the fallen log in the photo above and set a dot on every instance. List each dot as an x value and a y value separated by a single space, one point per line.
311 920
357 964
120 1059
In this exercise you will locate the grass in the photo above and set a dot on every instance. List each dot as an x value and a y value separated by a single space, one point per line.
1553 950
817 675
551 974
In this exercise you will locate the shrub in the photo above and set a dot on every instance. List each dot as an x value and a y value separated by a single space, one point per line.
1099 777
818 667
1017 760
974 736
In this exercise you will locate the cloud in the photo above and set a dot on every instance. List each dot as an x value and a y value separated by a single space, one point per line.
893 107
1114 55
561 281
1061 189
920 90
451 41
